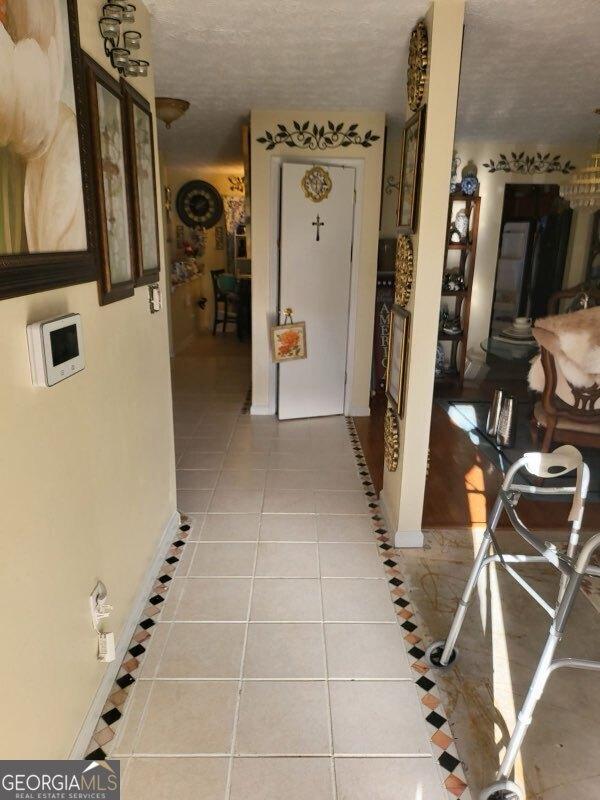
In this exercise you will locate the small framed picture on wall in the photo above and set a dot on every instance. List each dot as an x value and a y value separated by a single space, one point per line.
397 358
410 172
111 184
139 135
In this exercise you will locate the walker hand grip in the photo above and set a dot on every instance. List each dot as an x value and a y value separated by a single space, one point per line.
563 460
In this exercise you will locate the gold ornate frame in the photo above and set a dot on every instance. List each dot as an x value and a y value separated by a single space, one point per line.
418 62
316 170
391 440
404 271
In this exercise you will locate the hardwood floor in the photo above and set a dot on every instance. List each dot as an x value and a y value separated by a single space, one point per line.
462 483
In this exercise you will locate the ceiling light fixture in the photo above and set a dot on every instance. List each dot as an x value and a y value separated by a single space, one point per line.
169 109
583 189
118 48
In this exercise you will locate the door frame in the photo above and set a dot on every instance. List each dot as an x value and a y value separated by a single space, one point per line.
275 214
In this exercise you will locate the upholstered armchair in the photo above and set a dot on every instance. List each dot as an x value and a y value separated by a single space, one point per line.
567 374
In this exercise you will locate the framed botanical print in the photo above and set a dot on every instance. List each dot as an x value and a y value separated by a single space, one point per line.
46 200
140 145
397 356
111 184
410 172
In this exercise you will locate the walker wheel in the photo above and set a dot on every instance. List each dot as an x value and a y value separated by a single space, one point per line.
502 790
434 652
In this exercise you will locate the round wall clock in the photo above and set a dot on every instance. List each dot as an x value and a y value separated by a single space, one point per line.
418 60
199 204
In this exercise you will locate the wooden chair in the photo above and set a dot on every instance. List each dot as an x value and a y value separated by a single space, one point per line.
226 298
554 419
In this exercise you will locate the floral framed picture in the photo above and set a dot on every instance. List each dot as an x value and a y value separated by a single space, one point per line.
289 341
139 131
399 332
410 172
111 168
47 230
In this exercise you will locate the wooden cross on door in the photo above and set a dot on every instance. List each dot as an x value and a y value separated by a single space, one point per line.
318 225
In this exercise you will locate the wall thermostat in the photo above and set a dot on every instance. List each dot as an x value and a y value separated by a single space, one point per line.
55 349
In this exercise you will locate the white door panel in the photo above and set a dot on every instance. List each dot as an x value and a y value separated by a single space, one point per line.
315 283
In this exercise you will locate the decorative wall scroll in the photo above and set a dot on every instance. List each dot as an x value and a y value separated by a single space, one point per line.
322 137
418 61
140 147
219 237
397 358
111 170
410 172
47 230
391 440
404 271
236 183
529 165
316 184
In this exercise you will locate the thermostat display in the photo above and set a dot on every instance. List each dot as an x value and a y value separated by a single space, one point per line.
55 349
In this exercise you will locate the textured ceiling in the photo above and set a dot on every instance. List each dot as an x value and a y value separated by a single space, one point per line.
530 67
530 71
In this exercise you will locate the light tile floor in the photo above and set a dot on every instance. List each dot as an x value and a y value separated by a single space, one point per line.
278 669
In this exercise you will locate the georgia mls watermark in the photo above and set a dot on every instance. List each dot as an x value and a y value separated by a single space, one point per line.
59 780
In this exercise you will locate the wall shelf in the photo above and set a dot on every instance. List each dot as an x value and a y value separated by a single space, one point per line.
462 263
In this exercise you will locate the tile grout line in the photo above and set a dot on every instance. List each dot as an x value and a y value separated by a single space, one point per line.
327 684
236 717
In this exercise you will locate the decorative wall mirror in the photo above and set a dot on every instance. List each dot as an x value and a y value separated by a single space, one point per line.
46 200
397 358
140 148
112 187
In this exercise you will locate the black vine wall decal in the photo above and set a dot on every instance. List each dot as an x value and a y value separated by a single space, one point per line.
529 165
317 138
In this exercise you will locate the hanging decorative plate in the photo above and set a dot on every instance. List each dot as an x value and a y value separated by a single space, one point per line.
391 439
316 184
199 204
404 271
418 61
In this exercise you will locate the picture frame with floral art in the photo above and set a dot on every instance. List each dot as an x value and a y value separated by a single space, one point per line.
410 172
139 136
288 341
112 185
47 214
398 346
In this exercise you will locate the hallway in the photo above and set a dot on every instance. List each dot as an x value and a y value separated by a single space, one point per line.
278 665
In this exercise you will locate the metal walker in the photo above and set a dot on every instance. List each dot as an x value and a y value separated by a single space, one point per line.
573 566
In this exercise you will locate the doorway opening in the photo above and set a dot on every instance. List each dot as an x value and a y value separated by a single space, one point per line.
534 239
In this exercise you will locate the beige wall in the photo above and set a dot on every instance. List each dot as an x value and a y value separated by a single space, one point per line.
389 200
265 166
404 490
492 199
87 487
187 317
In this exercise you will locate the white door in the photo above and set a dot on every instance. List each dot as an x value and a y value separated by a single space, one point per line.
315 265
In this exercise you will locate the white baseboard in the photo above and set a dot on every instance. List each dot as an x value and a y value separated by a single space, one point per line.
261 411
359 411
127 631
408 539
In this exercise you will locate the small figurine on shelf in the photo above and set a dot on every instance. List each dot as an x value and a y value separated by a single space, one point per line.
453 282
440 361
452 326
444 317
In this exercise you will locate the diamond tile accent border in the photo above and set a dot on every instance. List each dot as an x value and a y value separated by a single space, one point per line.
112 713
431 695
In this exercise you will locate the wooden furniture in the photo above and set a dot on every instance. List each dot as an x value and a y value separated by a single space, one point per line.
555 420
459 261
226 298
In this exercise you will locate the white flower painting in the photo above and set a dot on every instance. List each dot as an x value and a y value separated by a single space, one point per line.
146 189
41 197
